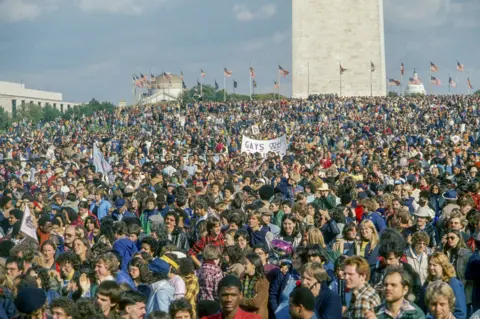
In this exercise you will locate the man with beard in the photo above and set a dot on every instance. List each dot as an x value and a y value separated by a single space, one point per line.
396 285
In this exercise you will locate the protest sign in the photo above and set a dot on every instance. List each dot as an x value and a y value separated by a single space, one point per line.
278 146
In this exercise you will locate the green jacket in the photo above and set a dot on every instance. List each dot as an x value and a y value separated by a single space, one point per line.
325 203
409 310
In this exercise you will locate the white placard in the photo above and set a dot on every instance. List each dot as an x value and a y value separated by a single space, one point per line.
255 130
278 146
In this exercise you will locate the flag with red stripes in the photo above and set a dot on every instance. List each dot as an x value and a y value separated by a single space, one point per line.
252 72
393 82
275 84
433 67
202 74
460 67
435 81
282 71
469 84
227 73
402 68
452 83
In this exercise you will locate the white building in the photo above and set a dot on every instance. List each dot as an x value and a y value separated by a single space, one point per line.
163 90
325 33
415 86
13 95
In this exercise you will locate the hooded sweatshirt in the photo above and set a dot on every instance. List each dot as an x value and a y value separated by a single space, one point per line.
126 249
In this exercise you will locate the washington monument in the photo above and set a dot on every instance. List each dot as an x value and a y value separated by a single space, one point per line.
328 34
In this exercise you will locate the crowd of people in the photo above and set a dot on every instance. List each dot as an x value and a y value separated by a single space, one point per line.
374 212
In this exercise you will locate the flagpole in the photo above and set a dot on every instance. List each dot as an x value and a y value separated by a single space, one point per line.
233 86
340 70
224 88
457 80
449 83
371 79
308 81
468 83
278 75
430 80
250 73
401 84
201 85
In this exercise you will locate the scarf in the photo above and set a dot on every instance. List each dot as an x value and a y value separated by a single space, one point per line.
249 286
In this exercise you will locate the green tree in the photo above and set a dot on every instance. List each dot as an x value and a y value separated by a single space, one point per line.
392 94
477 92
5 119
50 113
29 112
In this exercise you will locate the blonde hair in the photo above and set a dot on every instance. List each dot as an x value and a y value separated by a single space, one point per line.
315 236
370 204
440 289
315 270
447 268
374 240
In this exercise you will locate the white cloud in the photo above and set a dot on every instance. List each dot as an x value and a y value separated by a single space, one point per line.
274 39
18 10
243 13
132 7
414 14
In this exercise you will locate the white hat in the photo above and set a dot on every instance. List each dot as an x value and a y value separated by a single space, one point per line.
324 187
424 212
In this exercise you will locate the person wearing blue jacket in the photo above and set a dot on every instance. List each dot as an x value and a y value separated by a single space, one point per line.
100 206
283 282
159 292
328 304
123 246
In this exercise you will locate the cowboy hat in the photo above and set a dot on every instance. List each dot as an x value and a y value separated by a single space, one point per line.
424 212
324 187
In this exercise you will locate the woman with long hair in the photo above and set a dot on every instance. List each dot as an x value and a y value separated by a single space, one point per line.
48 250
81 248
440 269
91 228
289 230
458 254
367 246
255 287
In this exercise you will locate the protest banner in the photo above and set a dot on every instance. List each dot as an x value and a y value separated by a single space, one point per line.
28 226
278 146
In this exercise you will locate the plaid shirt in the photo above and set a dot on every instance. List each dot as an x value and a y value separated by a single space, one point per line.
192 288
407 310
209 275
363 299
207 240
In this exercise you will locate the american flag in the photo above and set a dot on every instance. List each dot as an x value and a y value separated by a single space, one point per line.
451 82
393 82
282 71
227 73
216 85
342 69
198 82
152 78
414 81
184 86
435 81
202 74
134 79
275 84
402 68
469 84
144 78
138 81
460 67
433 67
181 75
235 84
252 72
372 66
167 76
254 84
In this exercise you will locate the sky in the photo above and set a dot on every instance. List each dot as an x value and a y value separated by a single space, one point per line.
90 48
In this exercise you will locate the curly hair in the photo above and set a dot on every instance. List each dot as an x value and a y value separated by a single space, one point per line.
420 236
65 304
180 305
69 257
391 241
447 268
85 308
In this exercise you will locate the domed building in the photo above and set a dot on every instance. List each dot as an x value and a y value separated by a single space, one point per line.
415 85
167 87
